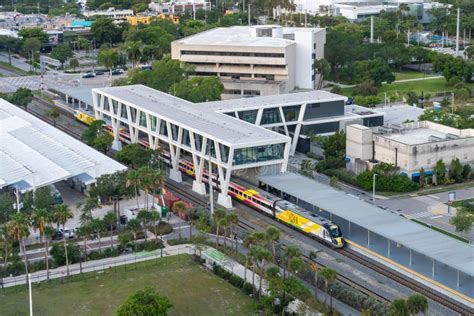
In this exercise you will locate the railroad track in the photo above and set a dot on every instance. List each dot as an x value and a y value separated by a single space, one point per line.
389 273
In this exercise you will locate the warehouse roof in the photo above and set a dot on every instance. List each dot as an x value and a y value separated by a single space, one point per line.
423 240
34 153
203 121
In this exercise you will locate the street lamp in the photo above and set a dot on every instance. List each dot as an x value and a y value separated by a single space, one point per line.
373 188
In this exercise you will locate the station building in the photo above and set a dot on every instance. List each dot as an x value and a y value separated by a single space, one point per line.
34 154
184 129
255 60
299 115
409 146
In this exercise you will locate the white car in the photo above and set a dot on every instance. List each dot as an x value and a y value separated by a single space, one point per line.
68 233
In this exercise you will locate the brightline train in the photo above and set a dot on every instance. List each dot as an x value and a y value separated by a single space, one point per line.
290 214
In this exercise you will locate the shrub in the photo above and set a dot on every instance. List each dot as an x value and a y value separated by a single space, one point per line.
164 228
236 281
248 288
366 88
370 100
336 89
296 288
73 253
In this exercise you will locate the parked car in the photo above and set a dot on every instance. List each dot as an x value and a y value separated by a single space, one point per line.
349 101
88 75
99 72
69 233
57 197
117 72
57 235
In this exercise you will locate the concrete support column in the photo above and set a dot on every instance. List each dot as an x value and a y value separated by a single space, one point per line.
175 175
457 281
388 251
368 238
224 200
433 270
409 264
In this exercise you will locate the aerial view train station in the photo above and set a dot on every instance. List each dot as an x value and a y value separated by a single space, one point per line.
290 158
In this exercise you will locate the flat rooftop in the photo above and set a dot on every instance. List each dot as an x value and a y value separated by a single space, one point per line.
34 153
273 100
202 120
417 136
241 36
423 240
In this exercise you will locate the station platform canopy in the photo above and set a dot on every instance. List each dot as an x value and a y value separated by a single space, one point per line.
35 154
432 244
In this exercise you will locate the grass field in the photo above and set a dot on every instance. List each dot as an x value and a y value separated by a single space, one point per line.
430 86
462 202
191 289
411 75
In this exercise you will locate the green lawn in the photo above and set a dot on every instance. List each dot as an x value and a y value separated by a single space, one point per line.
191 289
411 75
431 87
461 202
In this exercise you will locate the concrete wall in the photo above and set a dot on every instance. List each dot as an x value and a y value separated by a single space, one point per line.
358 142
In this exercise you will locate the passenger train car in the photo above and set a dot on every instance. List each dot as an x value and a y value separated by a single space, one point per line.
292 215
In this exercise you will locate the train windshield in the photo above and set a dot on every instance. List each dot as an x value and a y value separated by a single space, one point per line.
335 231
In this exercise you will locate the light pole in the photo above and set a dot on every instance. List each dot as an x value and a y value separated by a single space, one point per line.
373 188
30 294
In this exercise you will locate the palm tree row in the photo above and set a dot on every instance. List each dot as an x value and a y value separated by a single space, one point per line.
147 178
18 229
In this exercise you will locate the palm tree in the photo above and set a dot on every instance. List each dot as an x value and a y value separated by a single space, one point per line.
156 180
312 256
85 231
134 180
41 219
144 218
144 181
6 241
133 52
219 214
224 223
417 304
190 213
61 215
108 57
135 227
154 217
232 219
179 208
273 236
110 219
48 234
288 253
97 226
260 256
329 276
398 307
73 63
18 229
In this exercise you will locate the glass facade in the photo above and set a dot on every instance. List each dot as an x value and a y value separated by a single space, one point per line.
291 113
123 112
248 116
258 154
142 119
115 106
271 116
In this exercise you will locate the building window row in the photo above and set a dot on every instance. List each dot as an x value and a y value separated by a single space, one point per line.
258 154
213 53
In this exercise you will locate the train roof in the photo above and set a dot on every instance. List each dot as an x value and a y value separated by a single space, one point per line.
315 218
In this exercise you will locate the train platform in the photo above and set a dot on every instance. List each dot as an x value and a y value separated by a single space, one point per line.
437 260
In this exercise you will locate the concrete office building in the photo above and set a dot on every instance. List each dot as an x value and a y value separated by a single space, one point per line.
255 60
110 13
409 146
179 6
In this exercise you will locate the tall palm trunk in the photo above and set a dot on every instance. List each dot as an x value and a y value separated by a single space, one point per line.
100 242
260 281
136 197
23 250
46 261
85 247
217 235
111 237
65 251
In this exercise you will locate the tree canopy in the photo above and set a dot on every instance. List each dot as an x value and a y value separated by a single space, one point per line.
199 89
145 302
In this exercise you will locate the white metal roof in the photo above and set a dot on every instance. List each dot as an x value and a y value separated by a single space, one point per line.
202 120
36 154
442 248
240 36
274 100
